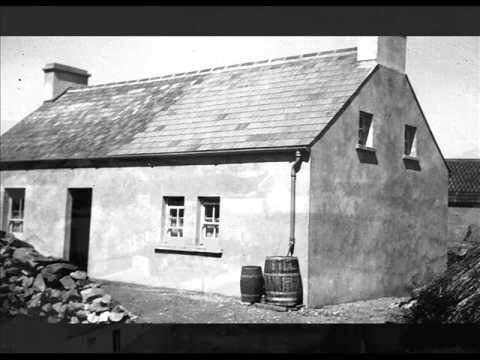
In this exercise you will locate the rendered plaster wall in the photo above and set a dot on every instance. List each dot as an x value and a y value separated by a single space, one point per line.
376 229
127 213
458 220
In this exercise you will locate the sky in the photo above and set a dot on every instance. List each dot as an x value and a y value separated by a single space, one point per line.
444 71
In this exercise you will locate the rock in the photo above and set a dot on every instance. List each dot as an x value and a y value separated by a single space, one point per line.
92 318
74 306
74 320
35 301
13 311
78 275
47 307
57 306
25 256
4 288
104 316
67 282
71 294
13 279
27 282
39 283
53 319
473 234
17 243
56 271
91 285
104 300
54 294
23 311
91 293
457 252
116 316
97 307
28 292
81 314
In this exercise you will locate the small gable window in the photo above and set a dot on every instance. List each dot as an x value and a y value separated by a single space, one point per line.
410 136
365 130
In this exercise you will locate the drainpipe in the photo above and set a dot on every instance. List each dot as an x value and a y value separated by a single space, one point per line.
293 177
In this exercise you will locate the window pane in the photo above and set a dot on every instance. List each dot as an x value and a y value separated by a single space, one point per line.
181 212
209 231
175 200
16 226
217 213
409 139
173 222
208 211
365 123
173 213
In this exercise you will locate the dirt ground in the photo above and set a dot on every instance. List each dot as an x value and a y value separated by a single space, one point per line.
164 305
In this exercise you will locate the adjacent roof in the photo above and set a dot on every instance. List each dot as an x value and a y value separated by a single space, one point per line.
267 104
464 180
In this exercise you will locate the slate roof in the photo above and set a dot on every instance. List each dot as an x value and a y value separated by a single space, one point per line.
267 104
464 175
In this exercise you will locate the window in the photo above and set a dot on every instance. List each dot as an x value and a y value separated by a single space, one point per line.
209 218
174 213
365 131
410 141
15 199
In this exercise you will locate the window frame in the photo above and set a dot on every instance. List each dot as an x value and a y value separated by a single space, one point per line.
412 145
204 201
166 234
9 218
365 140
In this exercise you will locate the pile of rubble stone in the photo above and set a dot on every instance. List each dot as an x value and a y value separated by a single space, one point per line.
454 297
35 285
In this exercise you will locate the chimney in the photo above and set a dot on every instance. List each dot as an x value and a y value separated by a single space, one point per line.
389 51
59 78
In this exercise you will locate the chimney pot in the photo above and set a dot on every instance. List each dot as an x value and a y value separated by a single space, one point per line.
59 77
389 51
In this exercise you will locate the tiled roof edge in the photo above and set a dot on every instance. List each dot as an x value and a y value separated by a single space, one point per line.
462 159
246 65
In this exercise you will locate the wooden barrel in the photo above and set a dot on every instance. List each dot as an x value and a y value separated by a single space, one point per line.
283 284
251 284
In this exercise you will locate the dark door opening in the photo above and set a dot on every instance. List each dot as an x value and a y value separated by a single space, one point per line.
81 204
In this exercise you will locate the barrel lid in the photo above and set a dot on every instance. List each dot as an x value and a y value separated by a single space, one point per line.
281 258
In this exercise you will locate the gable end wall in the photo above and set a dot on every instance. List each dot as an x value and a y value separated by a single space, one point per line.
376 229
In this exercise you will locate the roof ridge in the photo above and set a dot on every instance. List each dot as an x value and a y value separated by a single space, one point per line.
250 64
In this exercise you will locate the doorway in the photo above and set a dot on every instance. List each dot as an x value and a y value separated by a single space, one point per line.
79 207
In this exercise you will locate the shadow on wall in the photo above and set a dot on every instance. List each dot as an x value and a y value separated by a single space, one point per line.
412 164
367 156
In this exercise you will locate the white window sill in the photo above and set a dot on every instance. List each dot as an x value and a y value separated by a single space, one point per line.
189 250
365 148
